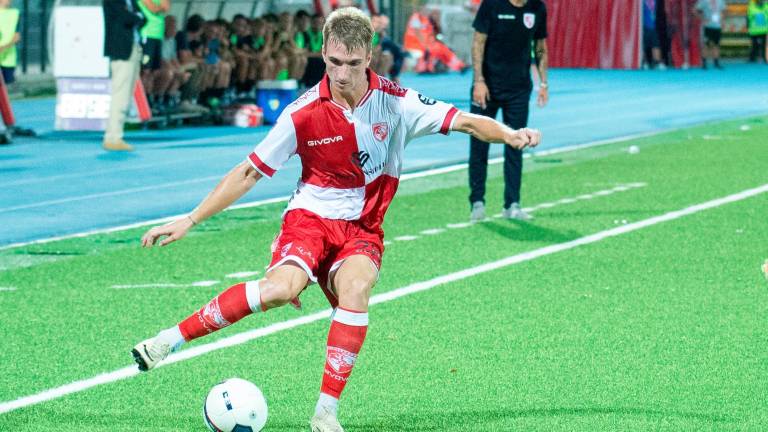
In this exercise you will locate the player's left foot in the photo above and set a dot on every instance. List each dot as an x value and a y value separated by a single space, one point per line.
515 212
325 421
147 354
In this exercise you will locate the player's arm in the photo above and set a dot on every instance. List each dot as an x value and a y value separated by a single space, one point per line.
480 95
233 186
489 130
542 63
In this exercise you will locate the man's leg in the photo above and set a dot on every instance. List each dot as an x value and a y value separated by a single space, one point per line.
478 162
279 287
124 75
353 283
515 115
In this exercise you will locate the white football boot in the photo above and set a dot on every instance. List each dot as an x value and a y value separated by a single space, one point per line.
515 212
325 422
478 212
150 352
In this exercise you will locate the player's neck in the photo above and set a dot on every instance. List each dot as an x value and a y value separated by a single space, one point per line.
518 3
349 100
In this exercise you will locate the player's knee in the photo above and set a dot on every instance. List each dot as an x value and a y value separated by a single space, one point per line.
355 288
275 293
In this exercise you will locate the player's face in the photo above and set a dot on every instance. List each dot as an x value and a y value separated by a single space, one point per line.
346 69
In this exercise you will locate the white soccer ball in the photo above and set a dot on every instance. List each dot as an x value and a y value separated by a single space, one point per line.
235 405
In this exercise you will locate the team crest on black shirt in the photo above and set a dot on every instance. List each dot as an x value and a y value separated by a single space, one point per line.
529 20
426 101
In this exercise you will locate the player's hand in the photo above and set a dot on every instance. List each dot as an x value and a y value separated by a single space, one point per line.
523 138
543 96
480 94
172 232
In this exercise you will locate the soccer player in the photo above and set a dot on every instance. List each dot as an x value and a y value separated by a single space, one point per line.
349 131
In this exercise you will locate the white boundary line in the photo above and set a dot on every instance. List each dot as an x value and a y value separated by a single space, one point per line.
243 337
409 176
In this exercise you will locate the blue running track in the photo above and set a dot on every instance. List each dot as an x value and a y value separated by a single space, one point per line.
63 182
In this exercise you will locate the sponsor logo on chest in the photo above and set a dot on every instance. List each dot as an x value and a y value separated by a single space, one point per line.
325 141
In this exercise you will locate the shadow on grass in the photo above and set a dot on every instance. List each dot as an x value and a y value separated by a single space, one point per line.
529 232
484 419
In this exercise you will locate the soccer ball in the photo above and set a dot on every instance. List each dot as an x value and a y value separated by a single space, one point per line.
235 405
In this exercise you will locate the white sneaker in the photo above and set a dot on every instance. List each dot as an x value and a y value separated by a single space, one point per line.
325 422
515 212
150 352
478 212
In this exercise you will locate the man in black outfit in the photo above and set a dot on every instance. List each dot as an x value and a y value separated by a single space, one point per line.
122 21
505 33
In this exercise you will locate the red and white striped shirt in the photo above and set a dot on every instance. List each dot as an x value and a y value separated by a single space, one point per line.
351 160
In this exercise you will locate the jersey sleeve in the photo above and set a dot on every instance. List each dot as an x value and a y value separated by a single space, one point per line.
482 22
425 116
541 29
276 148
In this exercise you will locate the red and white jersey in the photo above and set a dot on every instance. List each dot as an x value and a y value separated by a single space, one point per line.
351 160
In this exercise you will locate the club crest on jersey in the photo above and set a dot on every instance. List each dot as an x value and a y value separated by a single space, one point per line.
529 20
341 360
380 131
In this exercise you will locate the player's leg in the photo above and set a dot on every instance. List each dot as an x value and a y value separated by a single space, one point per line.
515 115
352 283
280 285
478 162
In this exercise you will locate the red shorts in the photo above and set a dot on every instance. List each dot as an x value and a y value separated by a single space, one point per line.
320 246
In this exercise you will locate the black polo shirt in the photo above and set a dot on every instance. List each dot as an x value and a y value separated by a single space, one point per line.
511 31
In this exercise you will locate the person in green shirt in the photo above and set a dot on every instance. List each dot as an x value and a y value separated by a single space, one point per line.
9 37
757 27
152 35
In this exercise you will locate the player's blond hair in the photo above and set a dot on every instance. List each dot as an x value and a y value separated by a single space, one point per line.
350 27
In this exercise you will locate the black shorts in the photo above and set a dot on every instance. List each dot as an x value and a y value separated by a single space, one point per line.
8 74
153 49
712 35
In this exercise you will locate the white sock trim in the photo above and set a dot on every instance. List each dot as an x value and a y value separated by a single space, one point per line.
357 319
327 403
172 336
253 295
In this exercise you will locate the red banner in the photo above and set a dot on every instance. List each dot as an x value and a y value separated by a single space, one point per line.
684 30
604 34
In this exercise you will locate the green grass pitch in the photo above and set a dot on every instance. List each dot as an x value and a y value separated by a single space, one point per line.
661 328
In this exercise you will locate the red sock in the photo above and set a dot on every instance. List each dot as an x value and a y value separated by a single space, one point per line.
225 309
345 338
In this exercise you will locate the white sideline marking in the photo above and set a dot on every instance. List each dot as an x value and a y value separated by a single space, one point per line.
205 283
543 205
109 194
243 337
432 231
7 288
403 177
459 225
243 274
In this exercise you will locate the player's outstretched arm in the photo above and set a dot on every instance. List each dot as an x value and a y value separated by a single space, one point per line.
489 130
233 186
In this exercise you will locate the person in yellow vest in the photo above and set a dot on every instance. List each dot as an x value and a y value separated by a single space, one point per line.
757 27
9 37
152 35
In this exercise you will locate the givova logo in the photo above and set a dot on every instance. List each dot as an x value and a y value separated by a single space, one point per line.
324 141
